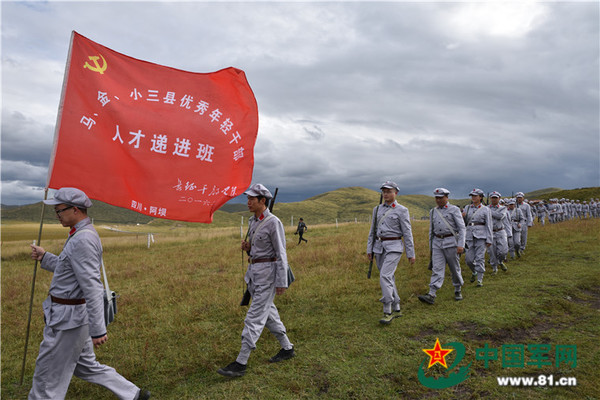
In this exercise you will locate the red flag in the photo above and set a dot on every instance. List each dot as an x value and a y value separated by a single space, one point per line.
163 142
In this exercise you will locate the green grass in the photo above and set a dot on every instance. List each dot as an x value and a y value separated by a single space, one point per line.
179 318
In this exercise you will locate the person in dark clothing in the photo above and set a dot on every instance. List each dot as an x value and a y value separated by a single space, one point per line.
300 231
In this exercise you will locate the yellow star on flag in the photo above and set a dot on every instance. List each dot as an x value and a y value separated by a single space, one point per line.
437 354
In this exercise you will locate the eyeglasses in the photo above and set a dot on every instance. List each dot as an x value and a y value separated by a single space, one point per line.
61 210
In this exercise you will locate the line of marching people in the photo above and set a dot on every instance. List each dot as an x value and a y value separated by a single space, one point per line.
565 209
499 229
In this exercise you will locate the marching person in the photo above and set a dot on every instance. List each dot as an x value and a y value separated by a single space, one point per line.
526 210
517 221
393 225
446 242
478 220
267 276
300 230
501 226
74 309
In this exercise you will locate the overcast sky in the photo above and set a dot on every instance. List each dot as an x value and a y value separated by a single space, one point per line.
501 96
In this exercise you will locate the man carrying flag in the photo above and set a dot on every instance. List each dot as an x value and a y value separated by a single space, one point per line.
267 276
74 309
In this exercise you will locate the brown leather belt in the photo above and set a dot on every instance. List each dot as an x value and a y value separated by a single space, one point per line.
383 239
443 236
261 260
476 223
69 302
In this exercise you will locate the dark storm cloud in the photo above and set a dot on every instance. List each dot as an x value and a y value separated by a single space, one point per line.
503 96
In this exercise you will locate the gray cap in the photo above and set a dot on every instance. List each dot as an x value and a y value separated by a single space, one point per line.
390 185
476 192
441 192
510 201
258 190
70 196
519 194
495 194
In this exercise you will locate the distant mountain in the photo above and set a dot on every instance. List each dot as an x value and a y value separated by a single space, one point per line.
536 194
344 205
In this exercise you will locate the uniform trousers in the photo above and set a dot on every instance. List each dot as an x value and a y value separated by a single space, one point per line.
498 249
524 236
387 262
64 353
514 243
262 312
440 257
475 256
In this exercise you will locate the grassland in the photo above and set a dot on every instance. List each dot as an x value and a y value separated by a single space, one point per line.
179 318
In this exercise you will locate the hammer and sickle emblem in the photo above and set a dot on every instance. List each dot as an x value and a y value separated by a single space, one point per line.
97 67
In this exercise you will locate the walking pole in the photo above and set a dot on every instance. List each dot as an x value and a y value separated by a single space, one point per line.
33 289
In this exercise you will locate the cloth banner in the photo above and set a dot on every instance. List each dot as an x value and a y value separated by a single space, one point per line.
157 140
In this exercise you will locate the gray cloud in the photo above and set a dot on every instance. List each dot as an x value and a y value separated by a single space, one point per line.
503 96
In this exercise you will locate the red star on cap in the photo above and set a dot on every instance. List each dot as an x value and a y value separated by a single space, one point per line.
437 354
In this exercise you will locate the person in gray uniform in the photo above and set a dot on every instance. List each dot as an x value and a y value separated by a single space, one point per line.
74 308
478 220
517 221
501 225
585 209
541 212
526 210
267 276
446 242
393 226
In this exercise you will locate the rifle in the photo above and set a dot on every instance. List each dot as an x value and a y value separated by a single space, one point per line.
246 297
373 234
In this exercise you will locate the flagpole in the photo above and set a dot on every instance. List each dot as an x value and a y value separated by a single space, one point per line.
33 289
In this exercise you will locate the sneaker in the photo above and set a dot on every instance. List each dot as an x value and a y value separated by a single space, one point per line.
386 319
396 313
233 370
473 277
457 296
283 355
518 253
143 394
503 266
479 283
427 298
494 272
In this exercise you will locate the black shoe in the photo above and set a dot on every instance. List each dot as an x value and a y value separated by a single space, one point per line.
457 296
143 394
283 355
427 298
233 370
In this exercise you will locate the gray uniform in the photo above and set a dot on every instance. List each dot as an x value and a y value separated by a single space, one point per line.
499 248
267 270
67 347
444 238
526 210
479 233
517 221
541 212
393 224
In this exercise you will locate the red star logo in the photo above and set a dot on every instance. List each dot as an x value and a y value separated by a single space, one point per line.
437 354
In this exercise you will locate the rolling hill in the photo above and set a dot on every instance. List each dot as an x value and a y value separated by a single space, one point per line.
344 205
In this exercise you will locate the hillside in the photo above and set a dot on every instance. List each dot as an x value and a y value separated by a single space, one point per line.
343 205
